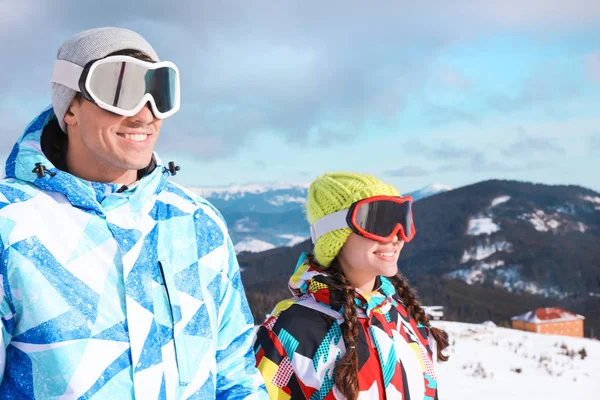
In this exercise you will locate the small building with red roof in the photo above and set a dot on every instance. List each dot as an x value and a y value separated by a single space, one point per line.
551 320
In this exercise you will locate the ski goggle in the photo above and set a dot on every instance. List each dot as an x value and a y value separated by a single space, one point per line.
123 84
378 218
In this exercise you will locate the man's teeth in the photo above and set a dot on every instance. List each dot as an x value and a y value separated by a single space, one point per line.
388 254
136 137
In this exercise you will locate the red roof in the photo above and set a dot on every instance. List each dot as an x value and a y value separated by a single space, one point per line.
546 314
549 314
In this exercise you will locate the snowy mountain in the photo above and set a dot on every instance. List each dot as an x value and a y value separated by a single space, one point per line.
491 250
522 234
262 217
253 245
274 198
430 190
492 363
238 191
249 244
279 197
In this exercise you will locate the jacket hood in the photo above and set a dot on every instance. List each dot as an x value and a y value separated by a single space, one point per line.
28 163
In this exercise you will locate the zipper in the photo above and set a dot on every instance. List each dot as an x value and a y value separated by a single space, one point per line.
164 282
170 305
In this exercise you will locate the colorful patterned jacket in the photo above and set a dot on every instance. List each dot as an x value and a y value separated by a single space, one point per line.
298 347
110 295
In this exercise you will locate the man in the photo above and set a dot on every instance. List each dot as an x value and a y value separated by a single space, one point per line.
116 282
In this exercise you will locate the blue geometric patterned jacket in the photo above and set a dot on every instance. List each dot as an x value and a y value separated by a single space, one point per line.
110 295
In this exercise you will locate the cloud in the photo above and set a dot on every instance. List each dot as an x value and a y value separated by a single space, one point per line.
452 78
549 84
483 160
530 146
592 67
298 69
335 136
450 167
476 161
480 162
594 144
441 114
407 171
442 150
448 151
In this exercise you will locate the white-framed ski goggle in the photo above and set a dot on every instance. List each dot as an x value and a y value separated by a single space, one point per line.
123 84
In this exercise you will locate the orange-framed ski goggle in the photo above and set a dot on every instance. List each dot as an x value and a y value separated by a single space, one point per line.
378 218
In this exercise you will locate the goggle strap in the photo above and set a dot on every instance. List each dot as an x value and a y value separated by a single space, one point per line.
328 223
67 74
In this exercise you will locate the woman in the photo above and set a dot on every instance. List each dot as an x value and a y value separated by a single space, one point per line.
354 328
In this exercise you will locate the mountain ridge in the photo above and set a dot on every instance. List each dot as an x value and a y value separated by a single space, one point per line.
268 216
485 250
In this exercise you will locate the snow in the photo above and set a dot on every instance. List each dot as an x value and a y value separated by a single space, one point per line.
538 222
253 246
482 252
491 265
534 288
489 323
500 200
481 226
568 209
476 273
293 239
558 314
595 199
240 225
507 277
512 281
430 190
553 224
543 222
484 361
468 275
226 192
437 188
281 200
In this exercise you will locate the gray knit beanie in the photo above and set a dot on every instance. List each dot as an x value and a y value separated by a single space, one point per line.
92 45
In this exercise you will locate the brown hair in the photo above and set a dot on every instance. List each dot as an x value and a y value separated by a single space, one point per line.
54 141
346 370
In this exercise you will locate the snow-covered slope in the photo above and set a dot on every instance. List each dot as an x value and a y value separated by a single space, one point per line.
238 191
262 217
429 190
494 236
253 246
491 363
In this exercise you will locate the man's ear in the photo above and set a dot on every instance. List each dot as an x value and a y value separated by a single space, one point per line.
71 116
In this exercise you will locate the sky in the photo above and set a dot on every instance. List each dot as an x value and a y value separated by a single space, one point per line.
285 91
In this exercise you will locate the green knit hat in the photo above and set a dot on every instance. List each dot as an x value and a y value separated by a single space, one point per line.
332 192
